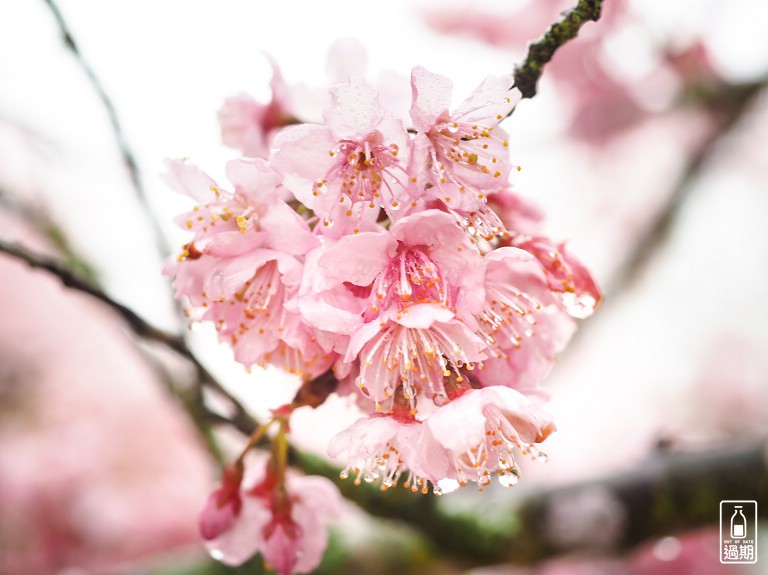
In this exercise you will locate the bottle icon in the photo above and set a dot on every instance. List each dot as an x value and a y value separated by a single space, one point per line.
738 524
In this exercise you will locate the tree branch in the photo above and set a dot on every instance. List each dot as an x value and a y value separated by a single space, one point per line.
540 52
667 494
728 106
127 155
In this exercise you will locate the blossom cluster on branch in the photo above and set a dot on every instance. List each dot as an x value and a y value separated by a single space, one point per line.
391 250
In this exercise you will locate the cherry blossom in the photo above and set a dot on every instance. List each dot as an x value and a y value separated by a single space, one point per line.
249 125
243 267
384 447
402 262
356 162
465 148
421 283
483 429
522 322
284 521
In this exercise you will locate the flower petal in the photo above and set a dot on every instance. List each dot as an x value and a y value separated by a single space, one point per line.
354 111
431 98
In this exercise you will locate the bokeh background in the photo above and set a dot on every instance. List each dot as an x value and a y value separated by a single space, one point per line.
645 147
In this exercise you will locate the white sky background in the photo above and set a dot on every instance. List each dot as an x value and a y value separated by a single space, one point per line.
168 65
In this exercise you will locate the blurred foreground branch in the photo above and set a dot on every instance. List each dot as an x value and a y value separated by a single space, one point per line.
541 52
666 494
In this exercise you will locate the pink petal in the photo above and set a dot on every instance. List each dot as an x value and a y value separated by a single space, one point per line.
281 548
346 60
358 258
491 102
241 118
286 230
449 247
431 98
354 111
241 542
459 426
255 179
325 302
302 153
188 179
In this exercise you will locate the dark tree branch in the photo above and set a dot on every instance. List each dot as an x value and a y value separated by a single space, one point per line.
540 52
127 155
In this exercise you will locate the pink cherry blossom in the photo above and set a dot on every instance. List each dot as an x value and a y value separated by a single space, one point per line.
465 148
283 522
411 353
519 216
522 322
408 298
242 269
384 447
424 258
249 125
566 276
483 428
352 165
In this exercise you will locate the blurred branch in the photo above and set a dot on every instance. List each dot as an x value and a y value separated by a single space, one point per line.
728 106
240 418
666 494
127 155
540 52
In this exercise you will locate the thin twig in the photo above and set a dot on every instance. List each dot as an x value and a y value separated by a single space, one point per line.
540 52
127 155
729 106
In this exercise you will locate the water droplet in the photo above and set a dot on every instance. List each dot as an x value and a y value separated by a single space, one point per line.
440 399
542 458
344 473
509 478
447 485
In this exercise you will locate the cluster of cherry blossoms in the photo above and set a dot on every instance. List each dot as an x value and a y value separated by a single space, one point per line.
390 252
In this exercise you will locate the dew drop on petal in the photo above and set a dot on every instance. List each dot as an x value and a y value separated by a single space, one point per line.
447 485
440 399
